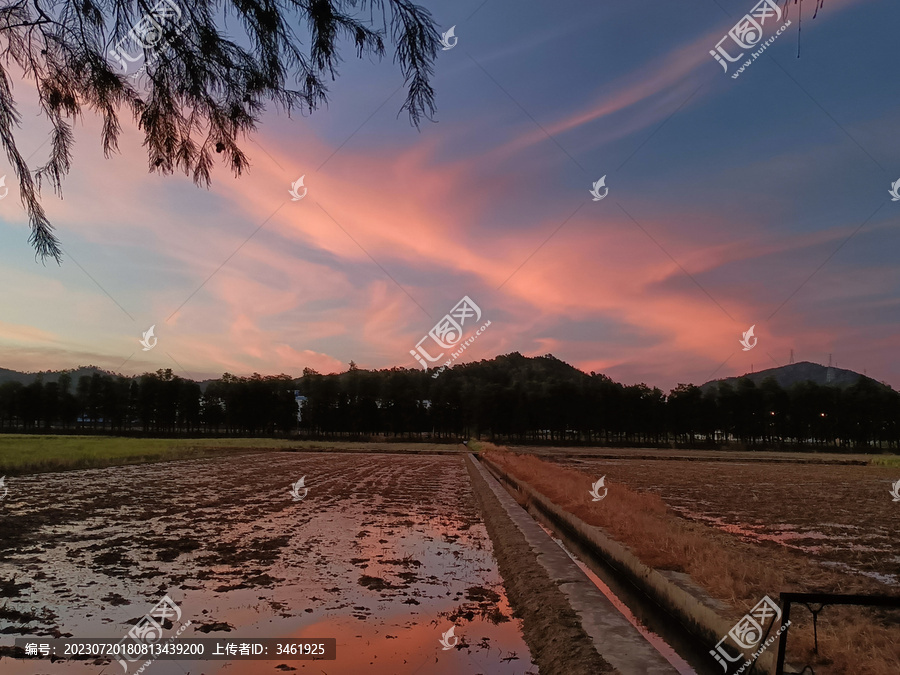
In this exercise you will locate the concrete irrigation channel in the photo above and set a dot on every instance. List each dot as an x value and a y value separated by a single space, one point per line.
673 614
601 639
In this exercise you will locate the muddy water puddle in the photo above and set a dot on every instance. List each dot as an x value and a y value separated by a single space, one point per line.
383 553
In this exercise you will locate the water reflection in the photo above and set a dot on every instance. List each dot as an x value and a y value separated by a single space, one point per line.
383 554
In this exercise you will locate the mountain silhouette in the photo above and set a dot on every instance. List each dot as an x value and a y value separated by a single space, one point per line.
539 368
7 375
794 373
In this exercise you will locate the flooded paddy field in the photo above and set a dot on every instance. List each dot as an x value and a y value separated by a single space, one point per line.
382 552
841 516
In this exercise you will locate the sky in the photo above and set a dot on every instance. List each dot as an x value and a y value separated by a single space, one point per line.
761 200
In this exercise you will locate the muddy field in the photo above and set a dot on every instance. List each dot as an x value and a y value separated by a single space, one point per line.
842 516
383 553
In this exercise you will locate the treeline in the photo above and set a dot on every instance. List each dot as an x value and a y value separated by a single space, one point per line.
513 398
508 399
159 402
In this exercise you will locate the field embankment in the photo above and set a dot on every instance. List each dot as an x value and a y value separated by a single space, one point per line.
726 454
551 628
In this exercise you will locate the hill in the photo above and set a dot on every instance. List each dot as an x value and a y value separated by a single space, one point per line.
522 369
787 376
7 375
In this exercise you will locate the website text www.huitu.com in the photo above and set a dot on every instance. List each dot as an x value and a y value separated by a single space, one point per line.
759 51
455 355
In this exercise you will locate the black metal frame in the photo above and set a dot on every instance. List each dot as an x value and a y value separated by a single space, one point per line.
822 599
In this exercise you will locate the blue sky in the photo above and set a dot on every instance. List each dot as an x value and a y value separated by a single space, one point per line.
761 200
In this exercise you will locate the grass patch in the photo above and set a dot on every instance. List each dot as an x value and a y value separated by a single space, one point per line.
886 460
25 453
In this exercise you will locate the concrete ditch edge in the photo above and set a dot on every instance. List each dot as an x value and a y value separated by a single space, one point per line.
698 619
617 640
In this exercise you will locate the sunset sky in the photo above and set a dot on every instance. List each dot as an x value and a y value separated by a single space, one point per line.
732 202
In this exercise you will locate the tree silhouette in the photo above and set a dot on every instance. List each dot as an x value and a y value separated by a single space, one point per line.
508 399
207 70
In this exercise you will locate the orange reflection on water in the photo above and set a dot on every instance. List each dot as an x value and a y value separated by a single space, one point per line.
404 647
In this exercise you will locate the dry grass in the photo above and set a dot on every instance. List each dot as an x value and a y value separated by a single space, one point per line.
733 571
